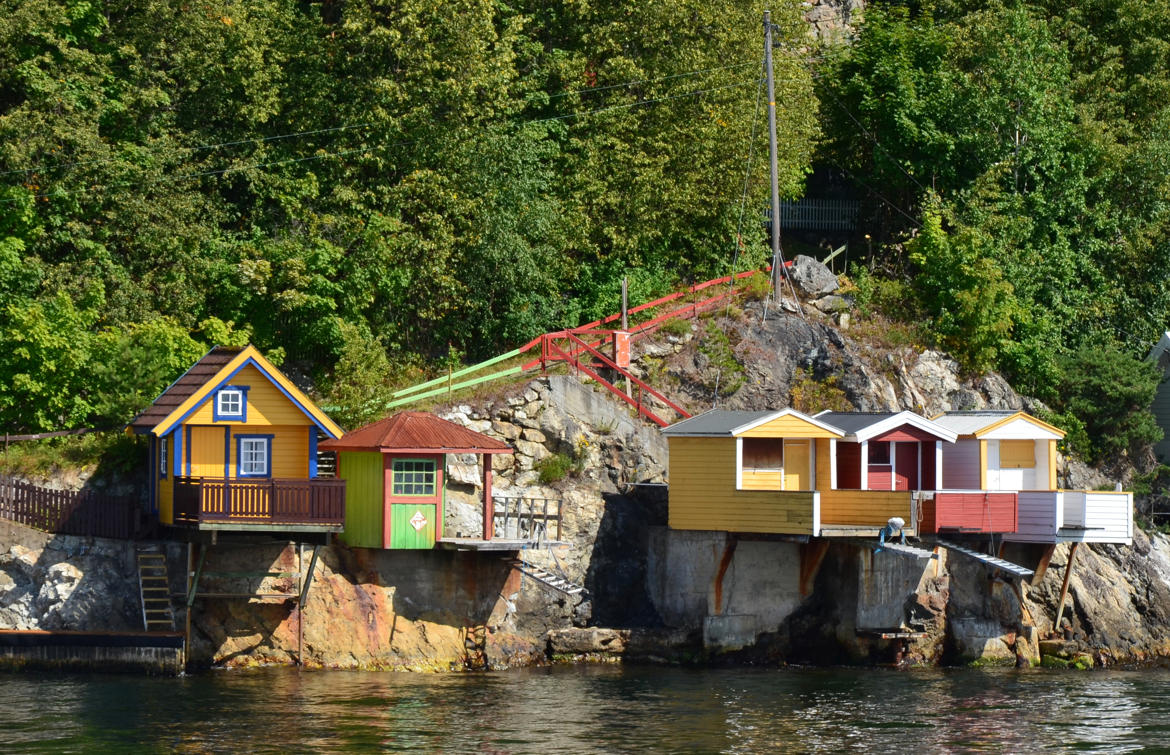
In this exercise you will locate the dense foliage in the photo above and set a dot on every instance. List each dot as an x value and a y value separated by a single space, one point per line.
1015 157
335 181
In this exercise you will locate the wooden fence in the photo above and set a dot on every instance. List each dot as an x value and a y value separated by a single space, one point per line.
69 512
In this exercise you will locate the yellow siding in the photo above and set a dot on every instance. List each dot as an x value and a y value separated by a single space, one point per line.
864 508
761 479
1017 454
796 461
983 465
1052 465
824 469
290 450
166 501
206 452
788 426
266 404
703 494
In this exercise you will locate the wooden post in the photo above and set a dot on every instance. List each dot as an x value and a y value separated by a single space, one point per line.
299 607
1072 552
187 618
489 513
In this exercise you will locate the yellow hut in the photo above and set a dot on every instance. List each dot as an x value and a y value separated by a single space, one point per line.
233 446
750 471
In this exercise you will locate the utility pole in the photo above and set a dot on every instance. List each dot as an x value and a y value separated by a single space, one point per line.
776 266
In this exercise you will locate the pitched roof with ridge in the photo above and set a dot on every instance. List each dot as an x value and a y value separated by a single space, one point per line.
866 425
212 370
978 422
417 432
724 423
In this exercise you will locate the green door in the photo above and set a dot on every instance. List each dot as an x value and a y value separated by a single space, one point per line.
412 525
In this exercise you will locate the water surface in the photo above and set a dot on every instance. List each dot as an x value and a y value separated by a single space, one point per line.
591 709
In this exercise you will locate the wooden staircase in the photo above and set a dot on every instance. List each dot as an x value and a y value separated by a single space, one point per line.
544 577
154 587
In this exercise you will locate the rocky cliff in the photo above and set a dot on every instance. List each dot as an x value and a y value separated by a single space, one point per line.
444 610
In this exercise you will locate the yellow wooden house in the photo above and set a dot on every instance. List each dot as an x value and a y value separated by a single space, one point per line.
770 472
233 446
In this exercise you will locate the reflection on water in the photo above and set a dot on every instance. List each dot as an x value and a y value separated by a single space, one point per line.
591 709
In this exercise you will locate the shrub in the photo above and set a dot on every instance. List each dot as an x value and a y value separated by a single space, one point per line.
757 287
810 395
729 373
557 467
676 327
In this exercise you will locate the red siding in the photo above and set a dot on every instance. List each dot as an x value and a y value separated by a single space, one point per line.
907 466
879 477
973 512
928 470
906 433
848 466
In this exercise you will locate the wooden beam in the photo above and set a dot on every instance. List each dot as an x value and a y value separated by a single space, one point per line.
1042 566
1072 552
812 555
729 547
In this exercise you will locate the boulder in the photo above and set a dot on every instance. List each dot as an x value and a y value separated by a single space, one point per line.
811 277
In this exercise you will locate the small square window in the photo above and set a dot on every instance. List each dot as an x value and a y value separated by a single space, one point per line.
231 403
879 452
253 457
414 477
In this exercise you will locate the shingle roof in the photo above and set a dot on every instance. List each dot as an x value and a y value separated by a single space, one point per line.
419 431
716 422
851 422
180 390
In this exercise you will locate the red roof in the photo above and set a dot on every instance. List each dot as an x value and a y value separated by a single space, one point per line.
417 432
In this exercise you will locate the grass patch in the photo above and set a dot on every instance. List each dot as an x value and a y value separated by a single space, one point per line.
557 467
677 327
108 454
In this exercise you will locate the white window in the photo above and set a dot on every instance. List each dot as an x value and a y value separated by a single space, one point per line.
162 457
253 461
230 403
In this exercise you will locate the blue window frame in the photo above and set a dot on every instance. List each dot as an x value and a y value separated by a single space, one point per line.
254 456
231 403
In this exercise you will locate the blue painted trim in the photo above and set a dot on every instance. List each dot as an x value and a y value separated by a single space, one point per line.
268 462
277 385
312 452
177 452
242 416
227 452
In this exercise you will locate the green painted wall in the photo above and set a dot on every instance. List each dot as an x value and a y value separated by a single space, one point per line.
362 472
403 534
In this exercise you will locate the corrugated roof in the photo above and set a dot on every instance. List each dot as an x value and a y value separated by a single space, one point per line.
180 390
971 422
421 431
716 422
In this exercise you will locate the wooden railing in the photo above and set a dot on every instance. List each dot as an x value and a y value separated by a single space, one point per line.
525 518
260 502
69 512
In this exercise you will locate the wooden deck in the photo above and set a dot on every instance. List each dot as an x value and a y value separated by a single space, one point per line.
208 503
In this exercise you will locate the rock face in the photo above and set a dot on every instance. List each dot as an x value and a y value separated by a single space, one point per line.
62 582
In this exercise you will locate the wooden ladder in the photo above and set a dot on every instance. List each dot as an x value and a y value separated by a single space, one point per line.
544 577
154 587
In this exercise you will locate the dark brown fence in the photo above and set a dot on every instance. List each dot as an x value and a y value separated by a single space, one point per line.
69 512
207 499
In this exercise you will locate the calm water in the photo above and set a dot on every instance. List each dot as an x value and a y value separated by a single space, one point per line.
591 709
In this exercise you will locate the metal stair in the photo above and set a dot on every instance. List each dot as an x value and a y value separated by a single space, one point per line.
1007 566
154 588
544 577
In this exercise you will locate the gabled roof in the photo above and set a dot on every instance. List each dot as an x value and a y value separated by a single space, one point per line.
417 432
721 423
1160 348
862 426
982 423
213 370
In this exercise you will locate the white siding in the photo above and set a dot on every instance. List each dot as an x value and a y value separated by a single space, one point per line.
961 465
1019 429
1038 520
1106 516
